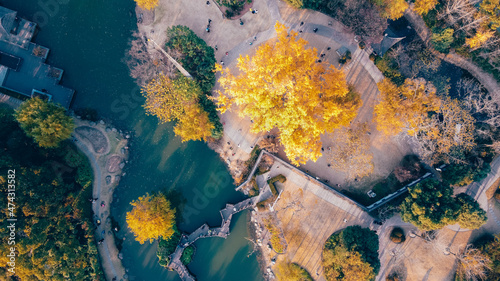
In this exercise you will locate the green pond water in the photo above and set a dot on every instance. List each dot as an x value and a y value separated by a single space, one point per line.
88 39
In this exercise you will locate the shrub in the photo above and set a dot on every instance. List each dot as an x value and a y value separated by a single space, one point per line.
197 57
187 255
167 247
389 68
271 182
276 239
441 40
254 188
397 235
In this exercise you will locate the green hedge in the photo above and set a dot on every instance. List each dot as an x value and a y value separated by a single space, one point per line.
465 174
271 182
167 247
187 255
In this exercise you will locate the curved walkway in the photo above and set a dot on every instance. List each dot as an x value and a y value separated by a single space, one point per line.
205 231
486 79
111 264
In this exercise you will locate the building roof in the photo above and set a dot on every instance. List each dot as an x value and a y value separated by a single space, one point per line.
384 46
22 63
7 18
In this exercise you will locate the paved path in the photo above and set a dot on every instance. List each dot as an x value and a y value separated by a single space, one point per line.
111 264
477 190
171 59
486 79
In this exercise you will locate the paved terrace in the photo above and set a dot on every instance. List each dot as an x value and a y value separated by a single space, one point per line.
309 212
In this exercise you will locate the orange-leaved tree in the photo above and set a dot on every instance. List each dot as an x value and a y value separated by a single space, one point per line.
283 86
391 9
178 100
151 218
424 6
404 107
440 125
147 4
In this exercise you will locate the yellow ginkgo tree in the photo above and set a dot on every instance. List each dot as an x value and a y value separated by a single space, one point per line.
424 6
440 125
147 4
151 218
404 107
178 100
391 9
284 86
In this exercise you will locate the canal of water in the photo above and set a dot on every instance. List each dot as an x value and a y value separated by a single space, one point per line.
88 39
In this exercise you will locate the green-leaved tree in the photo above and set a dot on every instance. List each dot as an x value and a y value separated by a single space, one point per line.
430 205
47 123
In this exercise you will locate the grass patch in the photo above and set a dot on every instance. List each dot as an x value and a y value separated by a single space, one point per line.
493 189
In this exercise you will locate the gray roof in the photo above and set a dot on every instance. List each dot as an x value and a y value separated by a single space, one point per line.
384 46
7 18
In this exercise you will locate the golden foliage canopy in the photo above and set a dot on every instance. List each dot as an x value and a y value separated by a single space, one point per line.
341 264
491 9
151 218
287 271
178 100
147 4
482 35
424 6
283 86
440 125
405 106
392 9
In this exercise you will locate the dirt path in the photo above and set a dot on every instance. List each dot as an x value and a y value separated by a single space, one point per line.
103 187
486 79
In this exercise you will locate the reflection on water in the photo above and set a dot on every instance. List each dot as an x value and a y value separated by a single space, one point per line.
219 259
88 39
